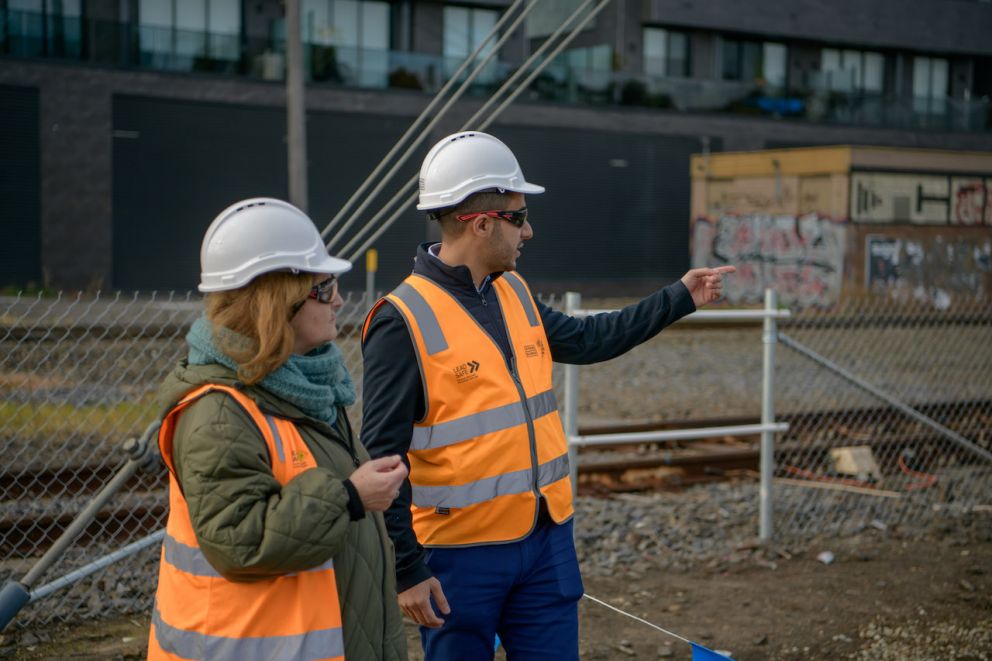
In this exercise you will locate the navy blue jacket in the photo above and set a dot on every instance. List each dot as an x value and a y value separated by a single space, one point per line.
393 395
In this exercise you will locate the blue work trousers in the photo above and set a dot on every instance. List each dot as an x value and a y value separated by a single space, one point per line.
527 592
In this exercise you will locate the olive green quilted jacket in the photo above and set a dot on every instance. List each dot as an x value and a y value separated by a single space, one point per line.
249 527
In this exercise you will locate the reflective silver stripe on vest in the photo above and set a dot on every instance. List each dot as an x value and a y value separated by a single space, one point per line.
276 437
187 559
552 471
521 290
491 487
193 645
484 422
190 560
434 339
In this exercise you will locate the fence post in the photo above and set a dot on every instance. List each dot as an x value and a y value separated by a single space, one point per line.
573 301
768 339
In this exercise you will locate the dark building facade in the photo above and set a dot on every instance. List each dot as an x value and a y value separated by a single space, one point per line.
125 125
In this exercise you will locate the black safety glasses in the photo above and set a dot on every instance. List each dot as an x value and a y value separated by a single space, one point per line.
516 217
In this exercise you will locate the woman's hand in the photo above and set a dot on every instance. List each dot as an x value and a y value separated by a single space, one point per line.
378 481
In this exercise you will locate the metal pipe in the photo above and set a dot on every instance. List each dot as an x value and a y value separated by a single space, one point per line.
885 397
712 315
15 594
676 434
95 566
570 420
767 459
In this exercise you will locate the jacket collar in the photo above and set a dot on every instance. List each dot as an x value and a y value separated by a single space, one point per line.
453 278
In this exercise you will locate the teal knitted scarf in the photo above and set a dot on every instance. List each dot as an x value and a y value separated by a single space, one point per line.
316 383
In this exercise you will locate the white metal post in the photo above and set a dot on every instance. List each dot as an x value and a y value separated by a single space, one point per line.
573 302
769 337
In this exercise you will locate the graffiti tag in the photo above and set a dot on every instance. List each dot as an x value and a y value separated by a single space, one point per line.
802 258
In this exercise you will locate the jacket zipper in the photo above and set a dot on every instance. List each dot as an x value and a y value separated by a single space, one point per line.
531 432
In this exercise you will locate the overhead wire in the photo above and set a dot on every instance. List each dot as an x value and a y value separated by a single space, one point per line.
480 66
510 98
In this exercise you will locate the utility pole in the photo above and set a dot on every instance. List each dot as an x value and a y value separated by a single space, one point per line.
296 109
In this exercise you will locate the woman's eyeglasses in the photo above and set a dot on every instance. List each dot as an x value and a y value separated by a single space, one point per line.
322 292
516 217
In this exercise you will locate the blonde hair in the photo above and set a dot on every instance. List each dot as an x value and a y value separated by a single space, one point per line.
260 313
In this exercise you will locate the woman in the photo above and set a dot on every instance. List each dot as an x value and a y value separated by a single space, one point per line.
275 546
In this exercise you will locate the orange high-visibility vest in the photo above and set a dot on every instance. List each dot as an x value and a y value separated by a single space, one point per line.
491 439
201 615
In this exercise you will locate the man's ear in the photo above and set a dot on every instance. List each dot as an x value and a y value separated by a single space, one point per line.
481 225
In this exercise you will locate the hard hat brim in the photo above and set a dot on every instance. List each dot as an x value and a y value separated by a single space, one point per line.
332 266
526 188
326 266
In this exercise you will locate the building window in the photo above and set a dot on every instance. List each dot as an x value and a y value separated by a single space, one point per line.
189 33
348 40
930 85
666 52
852 70
755 61
44 27
464 29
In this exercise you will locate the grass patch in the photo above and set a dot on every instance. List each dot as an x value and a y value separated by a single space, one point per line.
54 421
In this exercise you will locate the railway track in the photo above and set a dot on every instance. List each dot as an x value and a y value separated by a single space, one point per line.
57 493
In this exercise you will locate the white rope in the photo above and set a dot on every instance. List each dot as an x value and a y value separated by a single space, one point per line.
634 617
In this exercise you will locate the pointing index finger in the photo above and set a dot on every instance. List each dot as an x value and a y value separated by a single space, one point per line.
729 268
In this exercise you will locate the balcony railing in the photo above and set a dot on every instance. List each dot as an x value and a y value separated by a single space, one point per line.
26 34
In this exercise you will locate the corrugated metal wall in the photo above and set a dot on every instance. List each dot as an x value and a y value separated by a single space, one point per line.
20 187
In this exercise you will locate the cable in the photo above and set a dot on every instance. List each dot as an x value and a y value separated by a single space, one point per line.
437 118
505 86
423 113
568 39
634 617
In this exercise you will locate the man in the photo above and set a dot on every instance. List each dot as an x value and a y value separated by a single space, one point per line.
458 365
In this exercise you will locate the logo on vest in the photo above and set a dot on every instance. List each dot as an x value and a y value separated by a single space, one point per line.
531 350
299 459
467 371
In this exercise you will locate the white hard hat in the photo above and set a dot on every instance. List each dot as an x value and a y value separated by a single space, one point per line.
466 163
257 236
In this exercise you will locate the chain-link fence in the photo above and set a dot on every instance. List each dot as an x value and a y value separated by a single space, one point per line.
78 376
893 419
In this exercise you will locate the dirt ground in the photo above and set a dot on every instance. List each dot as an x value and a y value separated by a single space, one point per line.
881 598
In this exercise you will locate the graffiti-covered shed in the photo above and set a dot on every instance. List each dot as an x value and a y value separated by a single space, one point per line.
824 223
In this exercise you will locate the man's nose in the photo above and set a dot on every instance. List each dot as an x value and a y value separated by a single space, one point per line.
526 232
